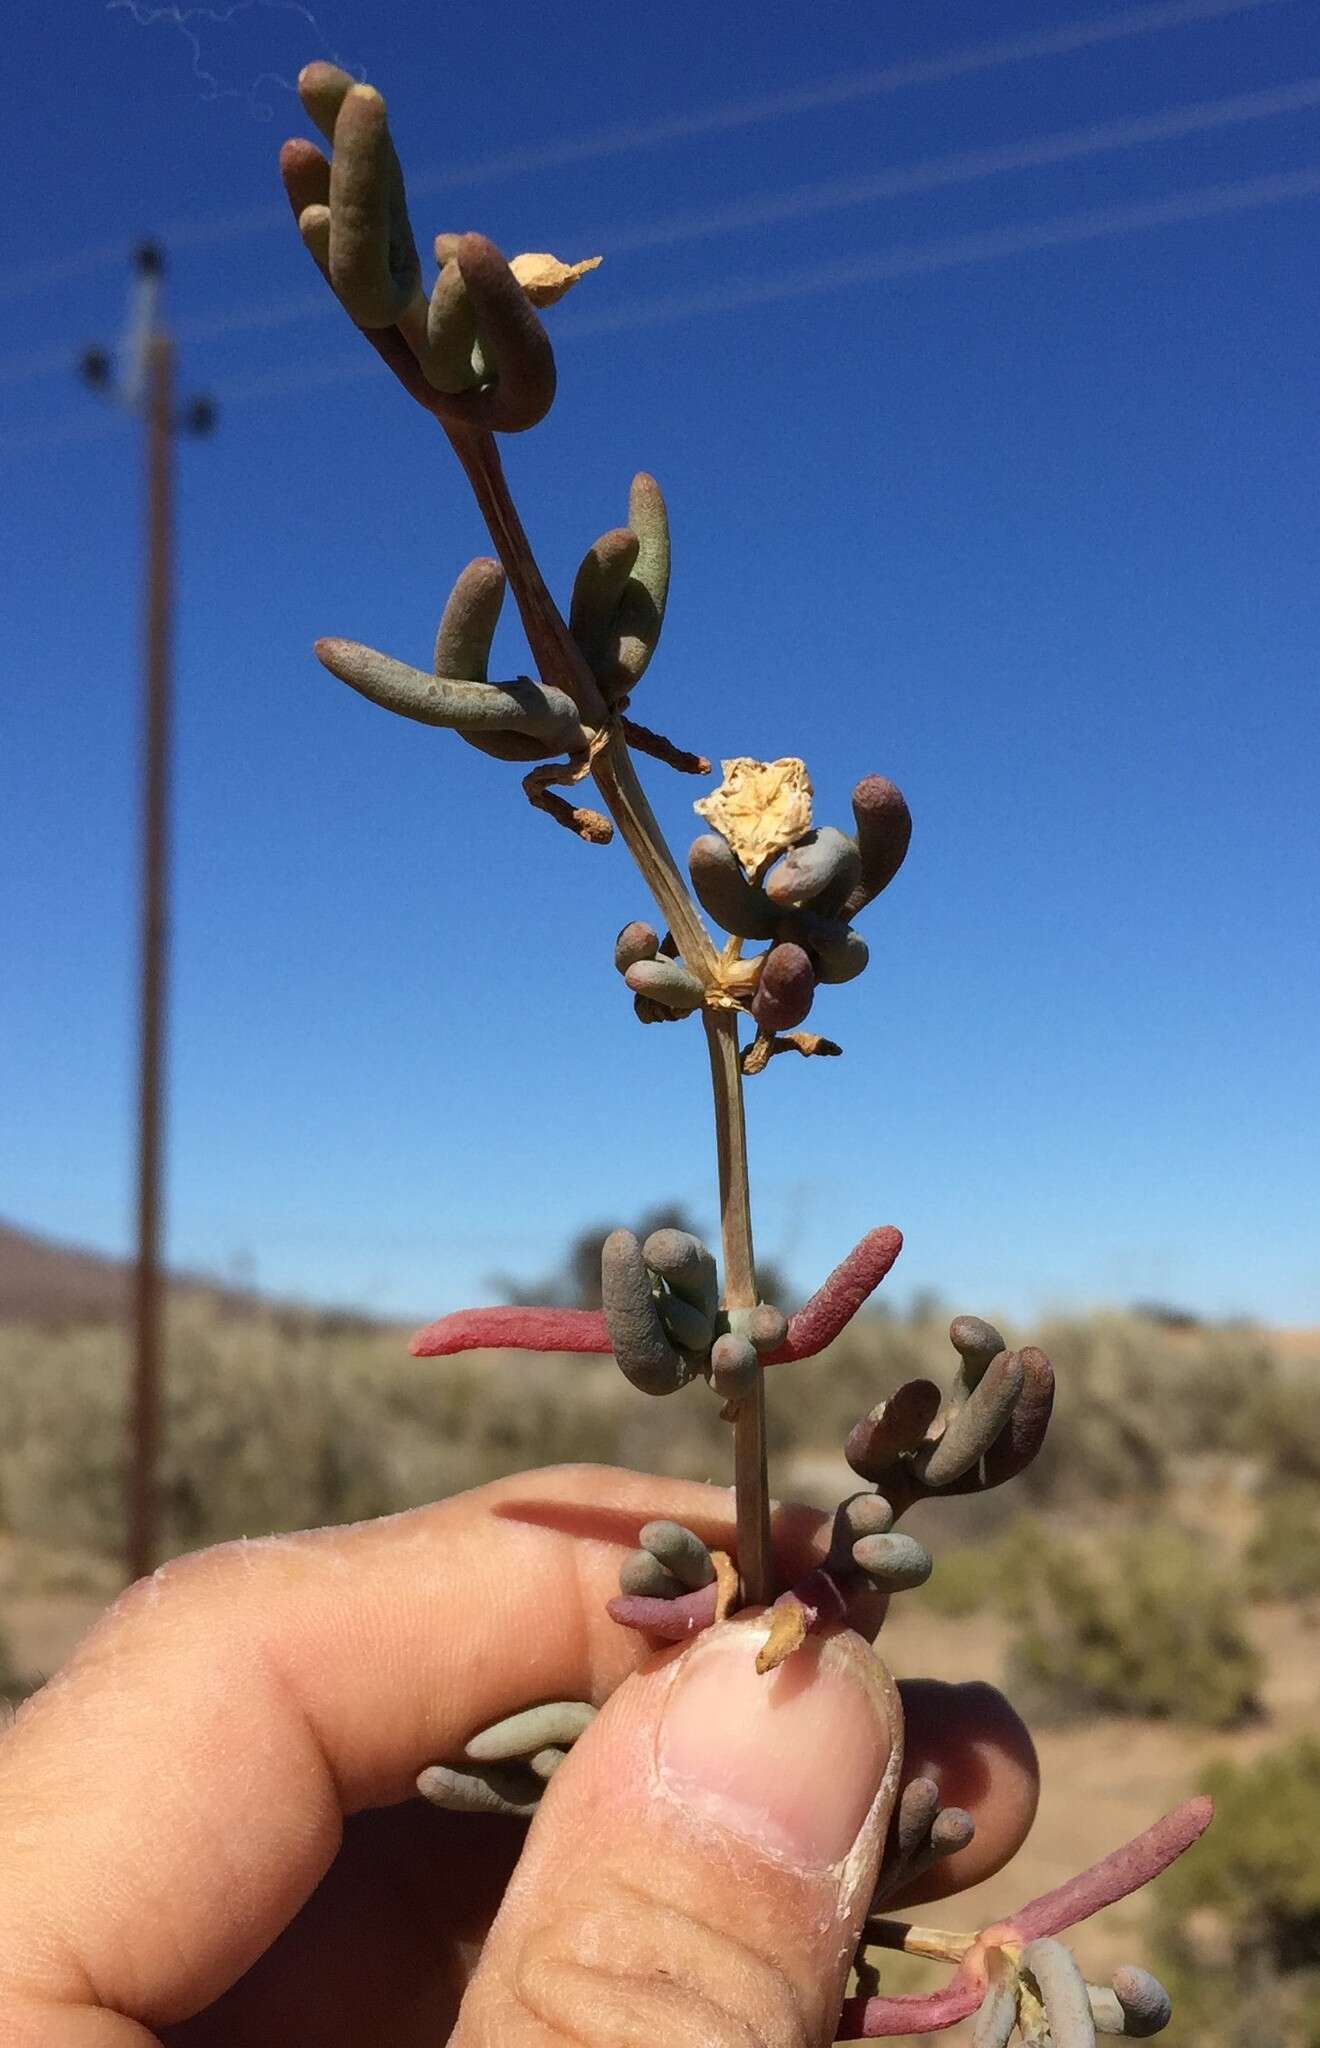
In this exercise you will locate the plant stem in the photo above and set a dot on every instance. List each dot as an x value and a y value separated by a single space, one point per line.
750 1477
918 1941
562 664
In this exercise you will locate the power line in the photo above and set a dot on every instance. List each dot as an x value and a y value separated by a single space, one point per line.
930 174
948 253
956 251
968 166
846 88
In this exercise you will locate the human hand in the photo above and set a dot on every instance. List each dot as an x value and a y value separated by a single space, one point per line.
209 1834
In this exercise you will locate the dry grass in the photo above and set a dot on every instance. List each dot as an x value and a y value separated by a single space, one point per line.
275 1422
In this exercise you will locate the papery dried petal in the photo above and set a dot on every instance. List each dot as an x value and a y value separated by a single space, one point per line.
545 279
760 808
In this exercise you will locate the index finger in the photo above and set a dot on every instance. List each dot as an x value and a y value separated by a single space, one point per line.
171 1798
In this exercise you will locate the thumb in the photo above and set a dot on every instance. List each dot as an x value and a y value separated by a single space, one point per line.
701 1864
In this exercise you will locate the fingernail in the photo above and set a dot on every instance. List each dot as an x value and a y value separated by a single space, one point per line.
791 1761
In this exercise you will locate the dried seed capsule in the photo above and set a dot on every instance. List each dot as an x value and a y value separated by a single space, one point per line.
884 828
1138 2005
638 1337
897 1426
686 1325
681 1551
558 1721
644 1574
374 269
724 891
640 612
786 989
440 700
893 1562
1063 1993
545 1763
972 1428
647 1012
821 869
683 1262
512 1793
451 334
664 981
764 1326
635 942
599 584
976 1343
862 1514
734 1366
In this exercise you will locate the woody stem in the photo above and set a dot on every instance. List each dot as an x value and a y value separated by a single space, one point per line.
562 664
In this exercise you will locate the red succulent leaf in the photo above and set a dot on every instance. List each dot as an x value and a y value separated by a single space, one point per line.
512 1329
867 2019
837 1300
1113 1877
670 1621
816 1324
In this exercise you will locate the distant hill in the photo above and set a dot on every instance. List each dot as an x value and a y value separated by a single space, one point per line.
52 1284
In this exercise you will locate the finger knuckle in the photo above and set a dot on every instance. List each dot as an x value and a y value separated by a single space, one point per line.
636 1969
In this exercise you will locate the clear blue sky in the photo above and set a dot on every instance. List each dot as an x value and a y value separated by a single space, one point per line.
1001 481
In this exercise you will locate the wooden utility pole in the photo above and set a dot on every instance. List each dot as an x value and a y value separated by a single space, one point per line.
146 384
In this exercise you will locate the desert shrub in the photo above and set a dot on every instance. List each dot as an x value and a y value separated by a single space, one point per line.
1141 1627
276 1421
273 1424
1106 1440
1283 1435
1237 1922
969 1577
1283 1556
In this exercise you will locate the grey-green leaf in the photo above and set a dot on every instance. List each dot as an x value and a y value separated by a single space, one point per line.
557 1722
513 1794
599 584
527 707
638 1338
1063 1993
724 891
681 1551
1137 2006
640 612
973 1427
683 1262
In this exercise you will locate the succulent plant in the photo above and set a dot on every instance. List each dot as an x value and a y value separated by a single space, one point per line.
473 352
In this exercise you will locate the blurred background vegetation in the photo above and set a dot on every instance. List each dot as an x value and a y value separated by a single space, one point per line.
1148 1593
